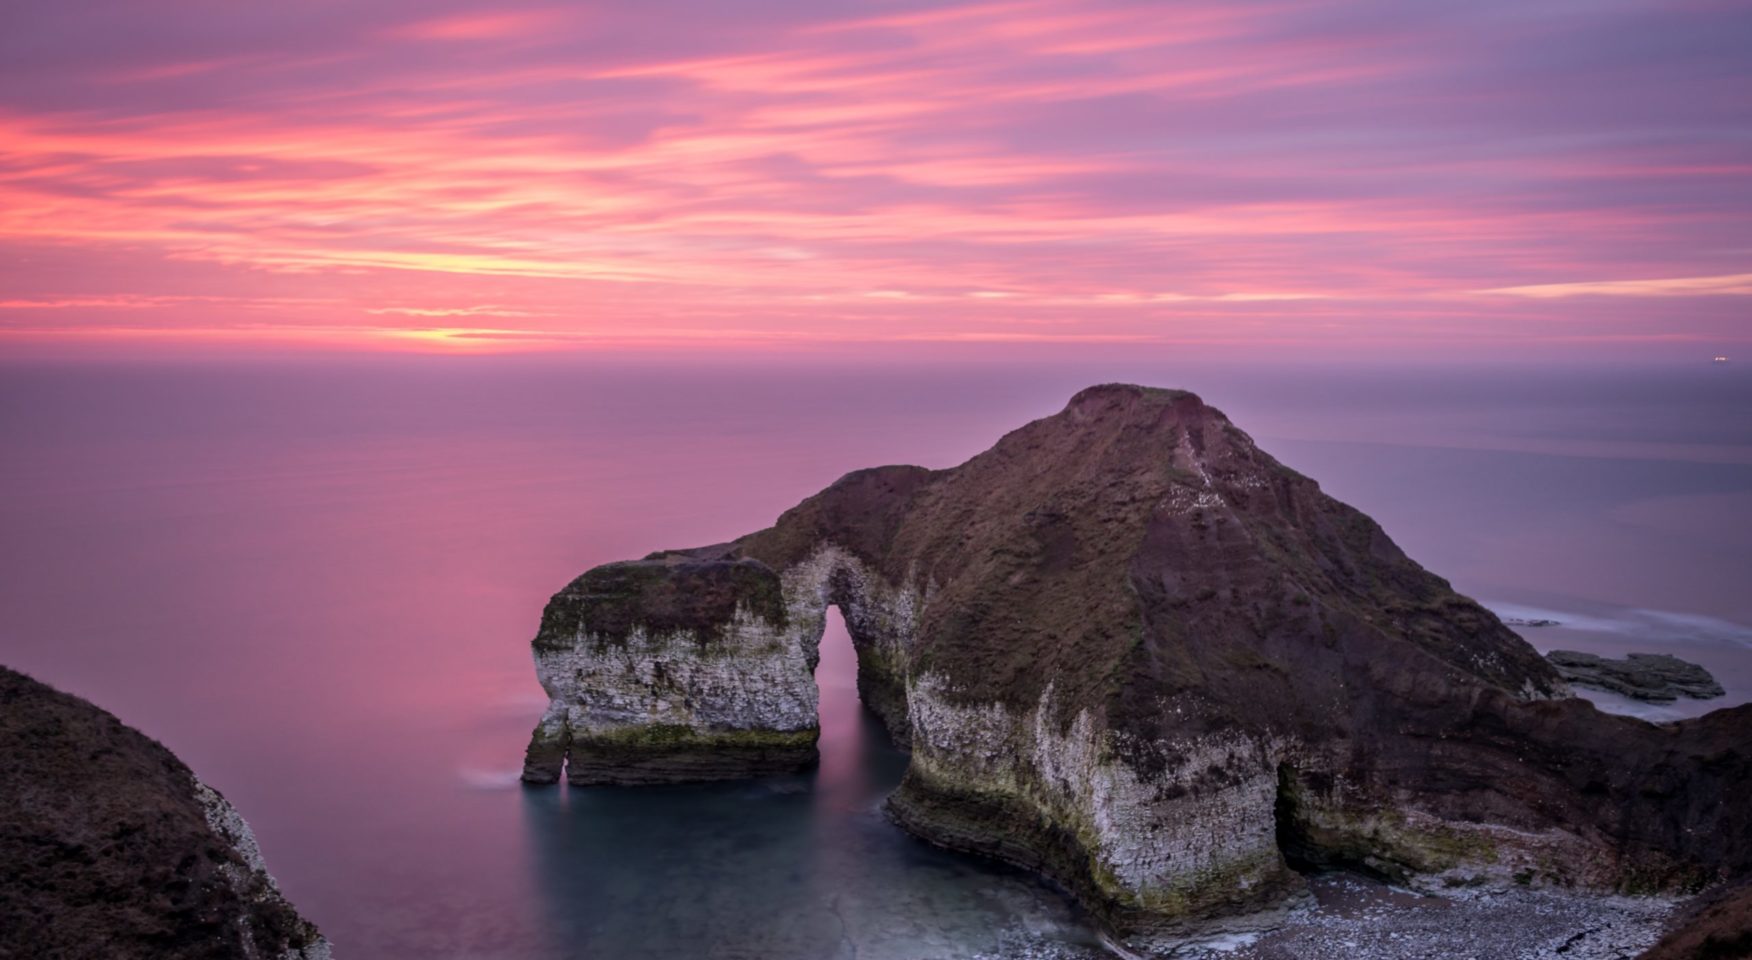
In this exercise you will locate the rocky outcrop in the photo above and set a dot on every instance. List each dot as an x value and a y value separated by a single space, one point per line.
1655 677
111 847
694 666
1135 653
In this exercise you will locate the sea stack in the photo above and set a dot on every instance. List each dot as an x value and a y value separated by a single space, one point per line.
111 847
1130 650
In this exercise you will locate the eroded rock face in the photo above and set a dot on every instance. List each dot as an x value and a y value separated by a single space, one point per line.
1132 651
1655 677
110 847
677 668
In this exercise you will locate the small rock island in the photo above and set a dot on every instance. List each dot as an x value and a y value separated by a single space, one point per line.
1133 652
1654 677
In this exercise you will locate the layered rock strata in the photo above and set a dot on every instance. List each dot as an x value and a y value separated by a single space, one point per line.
1133 652
111 847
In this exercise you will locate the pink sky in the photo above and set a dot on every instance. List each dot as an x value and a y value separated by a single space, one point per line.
1485 177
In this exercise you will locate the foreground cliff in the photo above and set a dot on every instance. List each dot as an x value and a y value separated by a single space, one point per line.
110 847
1130 650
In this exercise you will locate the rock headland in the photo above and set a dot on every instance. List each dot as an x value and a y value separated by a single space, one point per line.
1133 652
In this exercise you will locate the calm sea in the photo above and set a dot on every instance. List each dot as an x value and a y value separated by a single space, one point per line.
316 582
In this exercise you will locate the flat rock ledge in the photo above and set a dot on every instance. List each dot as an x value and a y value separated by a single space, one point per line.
1654 677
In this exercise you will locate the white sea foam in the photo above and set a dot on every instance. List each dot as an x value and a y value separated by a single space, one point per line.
1656 626
500 779
1697 626
527 703
1608 702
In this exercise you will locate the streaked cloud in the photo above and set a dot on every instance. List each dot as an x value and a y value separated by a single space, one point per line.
1739 284
486 25
1114 171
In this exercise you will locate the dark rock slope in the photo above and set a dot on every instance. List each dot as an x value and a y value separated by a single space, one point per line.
1132 651
110 847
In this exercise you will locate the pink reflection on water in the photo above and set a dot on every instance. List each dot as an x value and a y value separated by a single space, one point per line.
843 776
317 584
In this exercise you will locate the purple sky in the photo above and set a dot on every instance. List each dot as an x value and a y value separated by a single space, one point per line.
1483 178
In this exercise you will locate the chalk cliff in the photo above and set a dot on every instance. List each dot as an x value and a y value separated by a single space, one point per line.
111 847
1130 650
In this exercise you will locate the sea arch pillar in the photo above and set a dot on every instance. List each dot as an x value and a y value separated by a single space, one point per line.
881 618
680 668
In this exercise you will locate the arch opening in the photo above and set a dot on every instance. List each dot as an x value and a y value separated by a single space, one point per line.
876 640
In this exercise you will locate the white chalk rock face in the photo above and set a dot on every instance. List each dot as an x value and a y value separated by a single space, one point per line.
250 882
670 669
675 669
1067 801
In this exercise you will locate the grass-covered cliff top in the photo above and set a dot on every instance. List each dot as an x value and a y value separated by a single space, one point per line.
662 594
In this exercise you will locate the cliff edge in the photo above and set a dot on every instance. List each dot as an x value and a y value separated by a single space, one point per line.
111 847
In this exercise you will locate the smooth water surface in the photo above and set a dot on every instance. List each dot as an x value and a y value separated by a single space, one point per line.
316 583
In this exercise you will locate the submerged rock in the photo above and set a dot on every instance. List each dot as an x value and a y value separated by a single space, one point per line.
111 847
1655 677
1133 652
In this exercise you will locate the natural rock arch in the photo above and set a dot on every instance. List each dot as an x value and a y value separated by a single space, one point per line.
688 666
1130 650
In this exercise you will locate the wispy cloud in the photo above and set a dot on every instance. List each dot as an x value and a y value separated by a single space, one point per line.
486 25
482 311
1739 284
1120 170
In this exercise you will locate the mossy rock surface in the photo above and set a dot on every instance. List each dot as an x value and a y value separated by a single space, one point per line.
666 753
662 595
